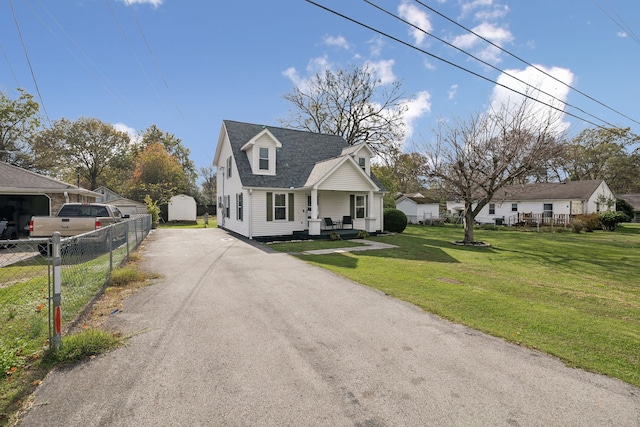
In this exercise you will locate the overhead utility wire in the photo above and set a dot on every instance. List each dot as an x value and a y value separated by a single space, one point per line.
98 74
522 60
621 24
26 54
486 63
153 58
124 35
451 63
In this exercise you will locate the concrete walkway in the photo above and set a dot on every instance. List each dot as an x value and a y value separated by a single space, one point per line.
369 245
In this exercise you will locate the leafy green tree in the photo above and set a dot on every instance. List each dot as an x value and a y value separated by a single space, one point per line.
83 149
604 154
19 120
208 173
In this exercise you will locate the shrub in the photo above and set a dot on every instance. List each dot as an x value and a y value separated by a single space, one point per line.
335 236
611 219
395 220
586 222
362 234
624 206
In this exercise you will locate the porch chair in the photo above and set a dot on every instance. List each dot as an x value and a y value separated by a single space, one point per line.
346 220
328 223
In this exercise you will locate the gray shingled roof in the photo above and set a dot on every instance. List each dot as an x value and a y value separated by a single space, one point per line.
13 178
295 160
632 199
569 190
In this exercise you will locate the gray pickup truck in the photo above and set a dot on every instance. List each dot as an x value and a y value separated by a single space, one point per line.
74 219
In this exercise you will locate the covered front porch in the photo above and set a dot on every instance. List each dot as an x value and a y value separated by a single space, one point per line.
342 212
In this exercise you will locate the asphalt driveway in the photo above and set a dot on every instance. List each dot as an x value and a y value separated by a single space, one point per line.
236 336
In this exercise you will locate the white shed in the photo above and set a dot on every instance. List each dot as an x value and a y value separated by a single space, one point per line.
418 209
182 208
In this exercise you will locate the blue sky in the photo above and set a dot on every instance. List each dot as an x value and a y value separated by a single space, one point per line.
186 65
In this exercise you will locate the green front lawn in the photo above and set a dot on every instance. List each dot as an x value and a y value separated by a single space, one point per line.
575 296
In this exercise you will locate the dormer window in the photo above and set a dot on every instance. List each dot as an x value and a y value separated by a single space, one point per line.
261 152
363 163
264 159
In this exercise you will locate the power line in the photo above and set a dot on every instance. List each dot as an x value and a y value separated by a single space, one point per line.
522 60
620 23
4 54
486 63
135 55
26 54
452 64
153 58
98 74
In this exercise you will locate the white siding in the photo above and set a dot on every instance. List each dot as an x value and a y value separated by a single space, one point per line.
409 207
262 227
345 178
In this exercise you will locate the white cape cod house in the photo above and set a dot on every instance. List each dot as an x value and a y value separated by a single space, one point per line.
543 203
274 182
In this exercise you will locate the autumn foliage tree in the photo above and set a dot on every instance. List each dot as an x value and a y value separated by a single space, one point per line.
157 174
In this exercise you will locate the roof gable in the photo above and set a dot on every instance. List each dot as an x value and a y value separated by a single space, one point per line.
15 179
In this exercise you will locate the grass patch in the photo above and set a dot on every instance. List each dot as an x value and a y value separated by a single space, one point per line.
308 245
199 223
24 358
575 296
85 344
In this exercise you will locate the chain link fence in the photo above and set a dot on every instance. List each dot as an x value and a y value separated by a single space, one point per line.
28 271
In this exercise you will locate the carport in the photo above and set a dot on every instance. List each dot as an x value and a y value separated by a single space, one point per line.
24 194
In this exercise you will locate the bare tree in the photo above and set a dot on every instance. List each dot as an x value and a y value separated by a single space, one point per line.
351 103
472 159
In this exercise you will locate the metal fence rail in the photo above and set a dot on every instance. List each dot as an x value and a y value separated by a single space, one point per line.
79 273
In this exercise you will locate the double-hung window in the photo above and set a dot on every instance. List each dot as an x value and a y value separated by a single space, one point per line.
514 207
547 210
264 158
239 206
492 208
229 166
358 206
280 206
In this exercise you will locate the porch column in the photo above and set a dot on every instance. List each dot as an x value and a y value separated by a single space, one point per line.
370 220
314 221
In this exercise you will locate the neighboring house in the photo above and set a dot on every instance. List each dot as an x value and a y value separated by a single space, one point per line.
543 203
126 206
182 208
24 193
418 209
634 201
276 182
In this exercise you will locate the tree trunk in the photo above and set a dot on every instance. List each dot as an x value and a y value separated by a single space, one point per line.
468 225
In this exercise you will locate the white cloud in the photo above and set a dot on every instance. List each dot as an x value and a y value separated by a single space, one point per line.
623 34
338 41
488 53
417 17
383 70
121 127
154 3
416 108
541 83
453 90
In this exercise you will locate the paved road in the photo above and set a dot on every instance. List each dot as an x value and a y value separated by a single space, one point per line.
235 336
